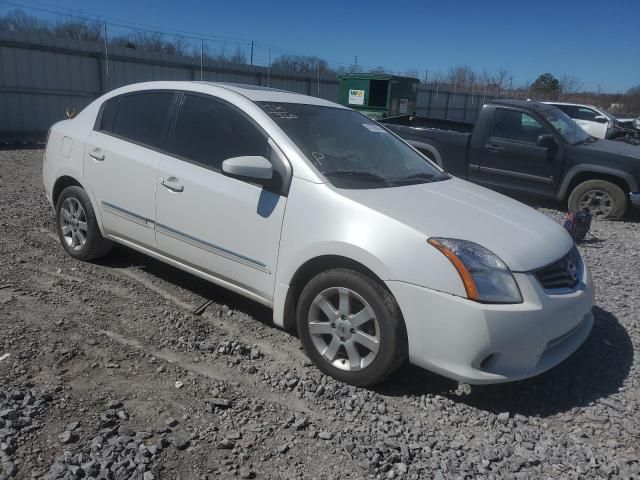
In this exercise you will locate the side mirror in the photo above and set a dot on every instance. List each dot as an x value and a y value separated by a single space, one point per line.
255 167
601 119
547 141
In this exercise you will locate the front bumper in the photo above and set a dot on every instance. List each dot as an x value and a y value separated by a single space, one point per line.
487 343
635 199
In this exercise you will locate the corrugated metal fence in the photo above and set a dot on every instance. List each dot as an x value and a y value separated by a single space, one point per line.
42 77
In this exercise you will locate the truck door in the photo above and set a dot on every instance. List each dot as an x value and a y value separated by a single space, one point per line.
511 157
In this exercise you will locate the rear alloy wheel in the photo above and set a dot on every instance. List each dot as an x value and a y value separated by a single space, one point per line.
73 226
601 198
77 226
351 327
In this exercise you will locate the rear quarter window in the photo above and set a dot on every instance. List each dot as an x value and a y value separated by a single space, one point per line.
109 109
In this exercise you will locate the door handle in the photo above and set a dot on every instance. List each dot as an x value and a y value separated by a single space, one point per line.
97 154
494 148
172 185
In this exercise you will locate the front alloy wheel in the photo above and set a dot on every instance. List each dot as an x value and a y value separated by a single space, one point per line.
344 329
351 326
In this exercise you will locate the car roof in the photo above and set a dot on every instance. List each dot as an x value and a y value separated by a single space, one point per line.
255 93
525 104
572 104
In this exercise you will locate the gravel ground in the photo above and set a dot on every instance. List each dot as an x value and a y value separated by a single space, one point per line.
110 374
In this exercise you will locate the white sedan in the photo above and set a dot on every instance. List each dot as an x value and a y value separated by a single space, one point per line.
372 252
596 121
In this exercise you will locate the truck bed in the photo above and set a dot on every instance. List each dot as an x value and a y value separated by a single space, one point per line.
449 138
417 121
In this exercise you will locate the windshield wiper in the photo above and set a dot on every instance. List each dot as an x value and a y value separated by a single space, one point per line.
359 174
430 177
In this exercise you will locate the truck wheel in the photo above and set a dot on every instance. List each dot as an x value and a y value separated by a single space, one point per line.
77 226
351 327
600 197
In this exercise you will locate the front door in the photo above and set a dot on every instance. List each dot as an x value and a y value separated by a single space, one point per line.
511 157
227 227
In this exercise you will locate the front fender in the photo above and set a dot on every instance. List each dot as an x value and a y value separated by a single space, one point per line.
578 169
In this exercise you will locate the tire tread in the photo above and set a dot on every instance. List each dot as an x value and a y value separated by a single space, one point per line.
616 193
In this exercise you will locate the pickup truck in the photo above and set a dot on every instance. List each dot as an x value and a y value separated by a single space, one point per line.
532 148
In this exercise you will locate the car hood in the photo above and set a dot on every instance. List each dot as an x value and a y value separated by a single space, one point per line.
522 237
613 148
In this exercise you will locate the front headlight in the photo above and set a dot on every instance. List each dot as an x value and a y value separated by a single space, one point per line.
486 278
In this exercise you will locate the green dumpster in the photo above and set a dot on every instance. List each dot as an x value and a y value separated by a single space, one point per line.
379 95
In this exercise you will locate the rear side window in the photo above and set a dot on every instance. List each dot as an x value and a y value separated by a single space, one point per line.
208 132
568 109
141 117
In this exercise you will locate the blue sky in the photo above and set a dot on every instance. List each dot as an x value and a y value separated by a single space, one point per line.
595 40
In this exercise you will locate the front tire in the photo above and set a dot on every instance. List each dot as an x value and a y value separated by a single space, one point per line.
351 327
77 226
600 197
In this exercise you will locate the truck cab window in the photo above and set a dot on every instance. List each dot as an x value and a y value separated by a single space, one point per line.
515 125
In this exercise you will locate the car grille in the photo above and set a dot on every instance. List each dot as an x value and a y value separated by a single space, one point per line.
561 274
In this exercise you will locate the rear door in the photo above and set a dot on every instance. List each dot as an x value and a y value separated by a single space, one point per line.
228 227
511 157
121 162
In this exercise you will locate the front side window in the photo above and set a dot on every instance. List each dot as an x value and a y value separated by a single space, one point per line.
515 125
141 117
586 114
208 132
349 149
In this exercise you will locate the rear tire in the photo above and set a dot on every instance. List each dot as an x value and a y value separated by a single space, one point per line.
77 226
351 327
602 198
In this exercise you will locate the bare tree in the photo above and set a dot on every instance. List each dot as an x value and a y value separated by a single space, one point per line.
570 85
412 72
152 42
238 56
18 21
632 100
500 79
461 77
79 30
301 63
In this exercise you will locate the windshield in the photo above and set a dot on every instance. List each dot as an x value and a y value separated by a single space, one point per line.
608 114
566 126
349 149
